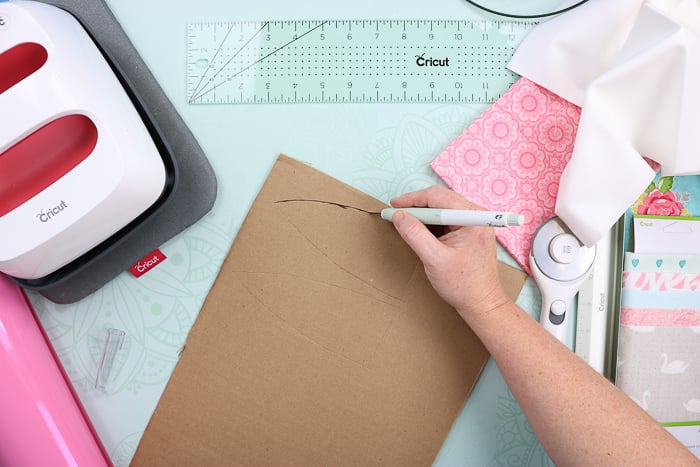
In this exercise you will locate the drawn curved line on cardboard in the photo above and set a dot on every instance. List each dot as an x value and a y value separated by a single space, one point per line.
336 263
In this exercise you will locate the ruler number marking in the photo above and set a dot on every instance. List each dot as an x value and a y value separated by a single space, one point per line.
295 38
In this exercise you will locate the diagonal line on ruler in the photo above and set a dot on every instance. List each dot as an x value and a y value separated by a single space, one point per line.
218 49
203 93
196 89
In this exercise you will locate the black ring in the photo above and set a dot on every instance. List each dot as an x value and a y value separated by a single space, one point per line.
540 15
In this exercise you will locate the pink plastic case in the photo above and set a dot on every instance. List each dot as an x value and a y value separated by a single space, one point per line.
41 422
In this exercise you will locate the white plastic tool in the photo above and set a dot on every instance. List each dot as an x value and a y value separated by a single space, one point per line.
77 163
560 264
461 217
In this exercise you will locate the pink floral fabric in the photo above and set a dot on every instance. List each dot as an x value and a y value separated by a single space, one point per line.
511 159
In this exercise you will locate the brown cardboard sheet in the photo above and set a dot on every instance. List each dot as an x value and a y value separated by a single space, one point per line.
320 343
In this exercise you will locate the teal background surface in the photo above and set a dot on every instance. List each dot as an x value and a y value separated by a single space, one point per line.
382 149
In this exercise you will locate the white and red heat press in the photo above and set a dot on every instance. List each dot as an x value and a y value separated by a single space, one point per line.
77 162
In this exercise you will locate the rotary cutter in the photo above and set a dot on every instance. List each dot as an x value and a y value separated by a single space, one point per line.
560 264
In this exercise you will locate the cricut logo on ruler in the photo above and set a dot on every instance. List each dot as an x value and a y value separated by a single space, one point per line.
421 60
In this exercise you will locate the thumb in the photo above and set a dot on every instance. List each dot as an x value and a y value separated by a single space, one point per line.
417 236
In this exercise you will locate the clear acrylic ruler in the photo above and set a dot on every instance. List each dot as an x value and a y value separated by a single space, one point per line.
351 61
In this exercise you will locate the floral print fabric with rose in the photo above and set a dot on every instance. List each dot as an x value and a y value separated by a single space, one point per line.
660 200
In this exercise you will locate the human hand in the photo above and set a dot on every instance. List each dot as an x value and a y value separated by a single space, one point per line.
461 264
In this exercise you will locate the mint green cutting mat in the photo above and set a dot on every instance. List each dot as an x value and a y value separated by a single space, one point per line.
380 148
350 61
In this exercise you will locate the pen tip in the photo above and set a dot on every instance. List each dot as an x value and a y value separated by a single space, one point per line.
515 220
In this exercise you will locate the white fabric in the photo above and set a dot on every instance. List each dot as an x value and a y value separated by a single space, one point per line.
634 68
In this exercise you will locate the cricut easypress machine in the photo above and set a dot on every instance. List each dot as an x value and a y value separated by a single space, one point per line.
89 180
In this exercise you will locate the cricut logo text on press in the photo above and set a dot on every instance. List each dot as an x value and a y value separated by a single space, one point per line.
145 265
46 215
421 60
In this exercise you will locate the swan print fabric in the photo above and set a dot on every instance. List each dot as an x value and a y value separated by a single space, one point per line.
511 159
659 342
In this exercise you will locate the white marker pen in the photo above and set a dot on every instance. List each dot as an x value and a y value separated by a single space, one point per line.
459 217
